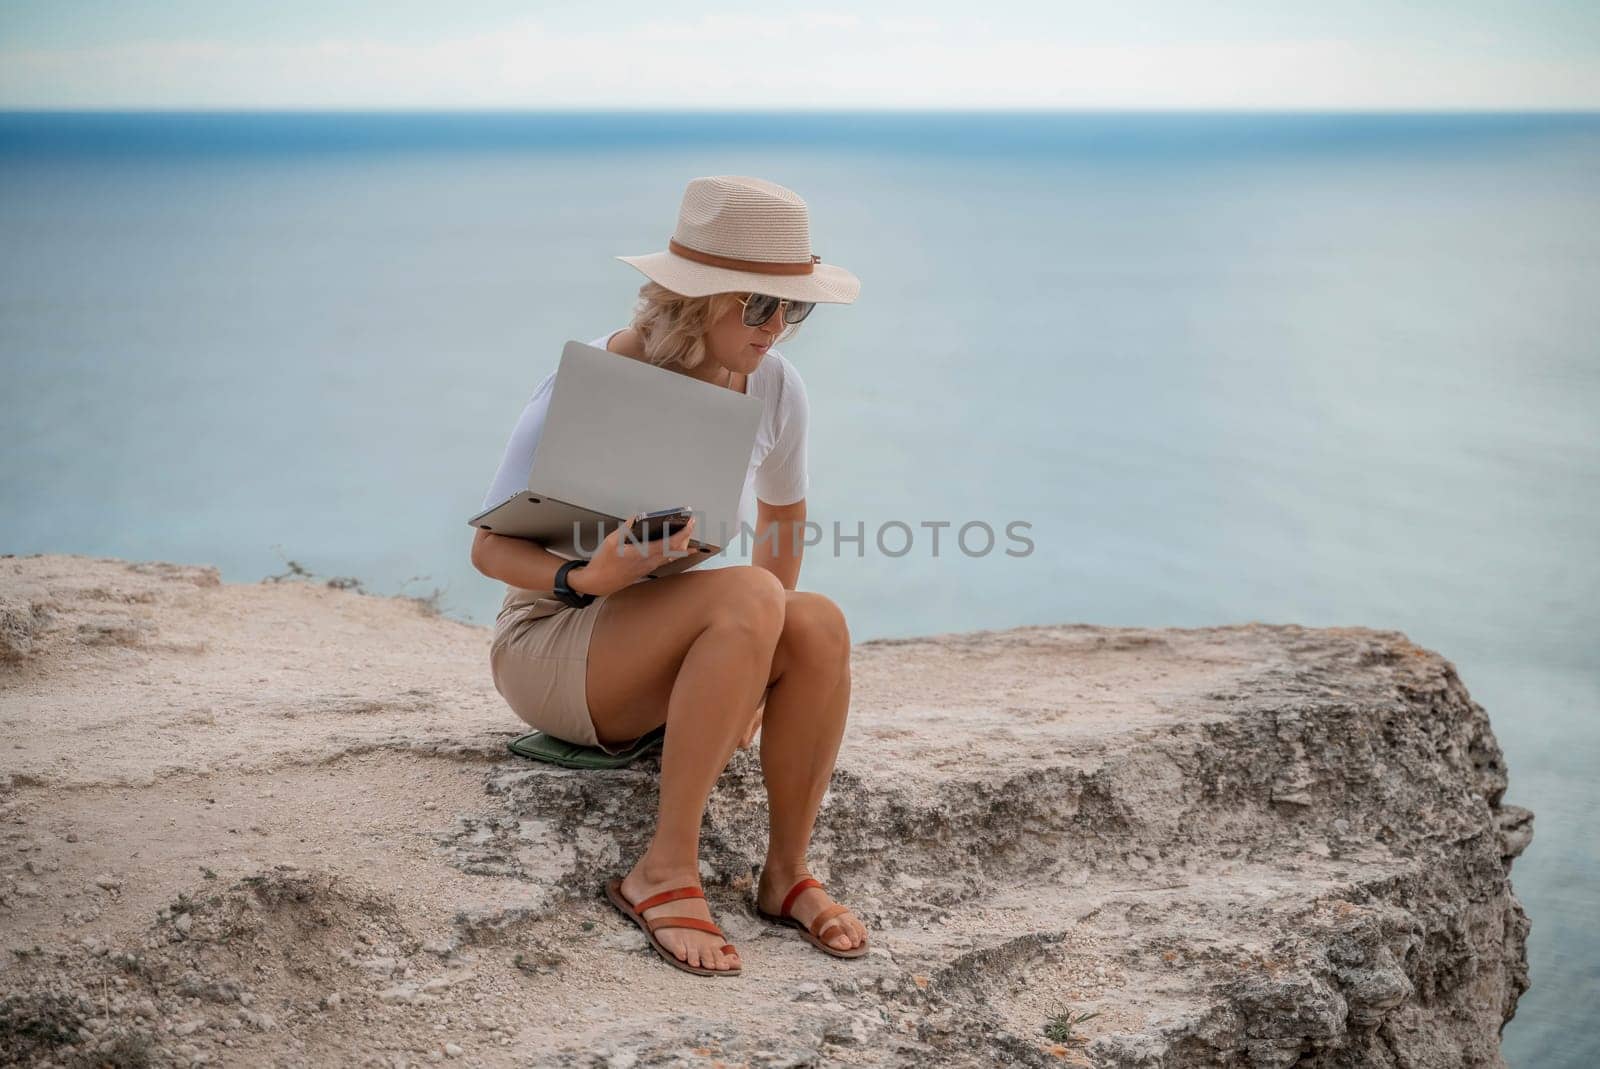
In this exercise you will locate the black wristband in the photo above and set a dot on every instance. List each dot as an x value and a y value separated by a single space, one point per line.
565 593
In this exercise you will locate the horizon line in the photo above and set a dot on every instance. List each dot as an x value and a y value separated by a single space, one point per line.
864 110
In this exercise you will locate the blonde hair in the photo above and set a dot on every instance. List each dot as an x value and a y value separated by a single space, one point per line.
674 327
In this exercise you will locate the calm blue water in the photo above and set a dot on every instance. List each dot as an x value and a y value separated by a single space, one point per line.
1331 370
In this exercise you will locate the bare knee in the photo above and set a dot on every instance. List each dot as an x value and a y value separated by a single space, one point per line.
750 601
814 630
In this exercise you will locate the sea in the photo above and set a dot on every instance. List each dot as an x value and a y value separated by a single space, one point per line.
1324 369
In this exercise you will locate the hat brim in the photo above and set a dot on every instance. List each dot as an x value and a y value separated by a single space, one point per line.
826 284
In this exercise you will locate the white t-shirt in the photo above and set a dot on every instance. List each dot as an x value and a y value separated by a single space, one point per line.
777 471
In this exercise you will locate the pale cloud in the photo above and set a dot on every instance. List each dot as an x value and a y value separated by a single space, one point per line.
738 30
909 24
815 59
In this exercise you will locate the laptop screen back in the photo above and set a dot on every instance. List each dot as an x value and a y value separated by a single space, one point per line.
623 436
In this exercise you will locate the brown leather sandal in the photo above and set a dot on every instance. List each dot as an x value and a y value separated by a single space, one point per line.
635 913
819 924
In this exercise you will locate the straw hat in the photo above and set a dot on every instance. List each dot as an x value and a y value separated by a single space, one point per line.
738 234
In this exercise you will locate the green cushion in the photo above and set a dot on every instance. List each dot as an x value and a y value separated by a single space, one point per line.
542 747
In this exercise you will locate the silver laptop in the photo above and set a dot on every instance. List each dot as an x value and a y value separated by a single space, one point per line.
622 436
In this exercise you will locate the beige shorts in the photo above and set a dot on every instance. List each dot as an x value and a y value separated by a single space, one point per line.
540 659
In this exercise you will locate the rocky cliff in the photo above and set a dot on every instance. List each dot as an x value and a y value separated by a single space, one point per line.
276 824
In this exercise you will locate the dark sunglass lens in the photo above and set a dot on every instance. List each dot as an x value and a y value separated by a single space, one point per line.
798 310
758 309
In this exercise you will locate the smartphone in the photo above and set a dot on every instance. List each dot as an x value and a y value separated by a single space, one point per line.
660 524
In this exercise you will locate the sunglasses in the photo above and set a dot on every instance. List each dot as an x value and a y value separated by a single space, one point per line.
758 308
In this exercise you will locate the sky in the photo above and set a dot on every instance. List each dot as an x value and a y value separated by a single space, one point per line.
493 54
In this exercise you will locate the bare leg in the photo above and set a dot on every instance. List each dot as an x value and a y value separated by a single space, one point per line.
693 651
800 733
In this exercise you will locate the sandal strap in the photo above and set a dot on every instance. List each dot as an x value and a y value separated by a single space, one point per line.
825 919
684 922
668 896
794 892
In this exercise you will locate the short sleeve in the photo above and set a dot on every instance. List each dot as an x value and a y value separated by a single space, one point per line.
781 478
516 463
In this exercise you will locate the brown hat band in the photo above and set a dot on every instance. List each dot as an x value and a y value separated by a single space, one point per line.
761 267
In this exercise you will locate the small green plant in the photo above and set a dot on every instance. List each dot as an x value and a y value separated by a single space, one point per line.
430 604
34 1025
132 964
296 571
1061 1028
128 1049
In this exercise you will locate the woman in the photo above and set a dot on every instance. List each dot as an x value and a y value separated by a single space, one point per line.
593 655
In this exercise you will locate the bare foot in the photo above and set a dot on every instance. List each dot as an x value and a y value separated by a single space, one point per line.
846 935
687 944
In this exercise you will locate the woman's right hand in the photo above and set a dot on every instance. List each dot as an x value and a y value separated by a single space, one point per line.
622 560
